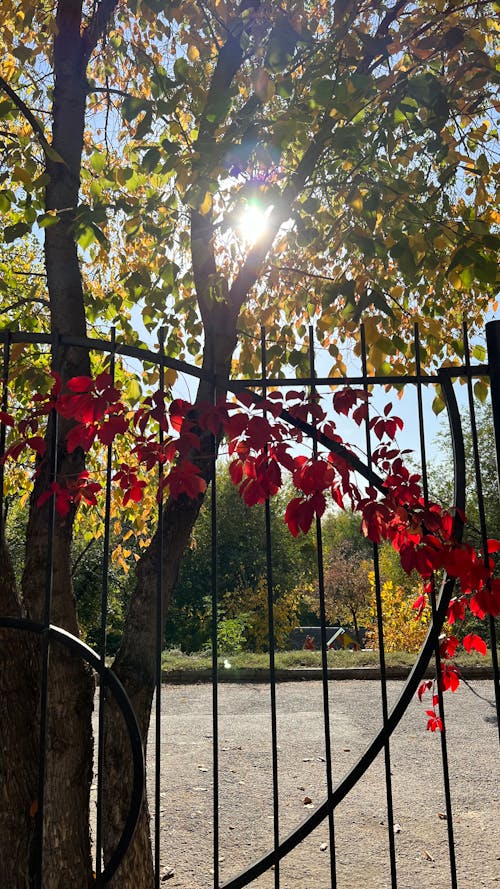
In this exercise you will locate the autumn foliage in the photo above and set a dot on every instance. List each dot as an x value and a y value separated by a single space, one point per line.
262 444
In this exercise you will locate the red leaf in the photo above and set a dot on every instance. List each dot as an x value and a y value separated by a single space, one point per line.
360 414
456 609
423 687
80 384
434 723
6 419
14 450
419 605
448 647
80 436
474 642
179 409
259 433
299 515
450 677
344 399
37 442
236 471
109 429
493 546
185 478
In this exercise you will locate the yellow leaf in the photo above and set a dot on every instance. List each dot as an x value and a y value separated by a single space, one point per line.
170 377
206 204
193 54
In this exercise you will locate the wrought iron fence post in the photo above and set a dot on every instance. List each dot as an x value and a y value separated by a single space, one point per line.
493 346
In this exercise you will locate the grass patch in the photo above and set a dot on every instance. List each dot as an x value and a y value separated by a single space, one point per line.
175 661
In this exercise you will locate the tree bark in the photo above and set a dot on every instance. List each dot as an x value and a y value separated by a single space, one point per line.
67 853
135 667
18 739
69 752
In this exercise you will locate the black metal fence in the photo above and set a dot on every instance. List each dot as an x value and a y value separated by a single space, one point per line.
336 791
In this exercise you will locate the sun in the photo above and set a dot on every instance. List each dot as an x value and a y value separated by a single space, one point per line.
252 223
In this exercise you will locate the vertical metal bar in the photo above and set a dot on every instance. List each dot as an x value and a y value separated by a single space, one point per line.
272 643
380 631
324 652
493 345
103 633
437 654
482 516
159 628
47 610
3 428
215 678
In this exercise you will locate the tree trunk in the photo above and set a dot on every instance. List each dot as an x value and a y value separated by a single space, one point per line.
67 855
135 667
18 739
69 752
356 628
135 661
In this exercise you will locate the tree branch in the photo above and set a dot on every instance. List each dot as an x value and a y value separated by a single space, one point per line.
23 302
228 63
28 115
81 556
97 25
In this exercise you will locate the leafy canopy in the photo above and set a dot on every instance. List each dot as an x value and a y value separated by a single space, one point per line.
365 131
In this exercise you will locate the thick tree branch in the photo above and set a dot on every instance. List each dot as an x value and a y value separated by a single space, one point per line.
202 231
97 25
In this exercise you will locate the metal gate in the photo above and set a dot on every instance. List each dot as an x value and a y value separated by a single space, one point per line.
280 845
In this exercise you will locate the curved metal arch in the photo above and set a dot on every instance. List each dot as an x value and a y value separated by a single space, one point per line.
294 838
107 677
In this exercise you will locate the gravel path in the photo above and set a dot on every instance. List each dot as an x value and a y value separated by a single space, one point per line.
245 787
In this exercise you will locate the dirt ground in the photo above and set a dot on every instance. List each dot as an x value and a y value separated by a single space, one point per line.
360 823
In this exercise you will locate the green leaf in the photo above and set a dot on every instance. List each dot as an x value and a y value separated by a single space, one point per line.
132 106
479 352
181 70
133 391
404 257
144 126
47 219
486 269
23 53
151 159
98 161
438 405
6 108
12 232
54 155
322 90
218 108
481 390
4 202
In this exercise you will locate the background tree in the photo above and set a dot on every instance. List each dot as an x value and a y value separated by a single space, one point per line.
347 588
134 136
241 564
403 631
